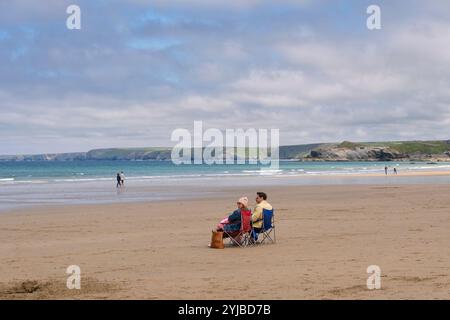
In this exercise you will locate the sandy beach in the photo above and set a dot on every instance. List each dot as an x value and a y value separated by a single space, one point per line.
129 131
327 236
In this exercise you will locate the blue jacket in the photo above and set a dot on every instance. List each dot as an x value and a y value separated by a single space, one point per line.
234 222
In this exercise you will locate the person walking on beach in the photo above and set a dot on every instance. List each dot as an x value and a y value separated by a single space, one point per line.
386 170
122 178
119 180
395 170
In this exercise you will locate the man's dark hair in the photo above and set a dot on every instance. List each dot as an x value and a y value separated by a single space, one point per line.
262 195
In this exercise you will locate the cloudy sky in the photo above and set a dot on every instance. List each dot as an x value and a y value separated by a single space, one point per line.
139 69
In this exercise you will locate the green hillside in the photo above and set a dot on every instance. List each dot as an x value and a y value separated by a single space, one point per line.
346 150
407 147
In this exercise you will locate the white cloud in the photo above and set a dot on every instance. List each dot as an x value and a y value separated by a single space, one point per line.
259 68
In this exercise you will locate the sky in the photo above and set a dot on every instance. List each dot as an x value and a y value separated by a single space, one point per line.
137 70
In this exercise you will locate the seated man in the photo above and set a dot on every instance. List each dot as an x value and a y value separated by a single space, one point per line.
257 216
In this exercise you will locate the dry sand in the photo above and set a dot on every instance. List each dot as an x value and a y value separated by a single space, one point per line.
326 238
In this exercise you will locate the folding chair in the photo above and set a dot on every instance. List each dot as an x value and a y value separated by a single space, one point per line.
244 235
268 228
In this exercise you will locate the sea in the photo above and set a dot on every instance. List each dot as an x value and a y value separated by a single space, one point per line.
24 183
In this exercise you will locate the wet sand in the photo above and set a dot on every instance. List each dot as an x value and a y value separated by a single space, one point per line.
327 236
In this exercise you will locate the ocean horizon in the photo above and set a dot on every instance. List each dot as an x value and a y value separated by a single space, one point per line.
34 172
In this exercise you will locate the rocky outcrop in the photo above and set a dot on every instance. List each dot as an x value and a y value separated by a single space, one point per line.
369 153
336 153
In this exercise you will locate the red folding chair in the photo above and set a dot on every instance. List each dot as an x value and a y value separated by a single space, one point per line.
243 238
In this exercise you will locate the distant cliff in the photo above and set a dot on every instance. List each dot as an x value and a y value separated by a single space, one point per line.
129 154
45 157
431 151
98 154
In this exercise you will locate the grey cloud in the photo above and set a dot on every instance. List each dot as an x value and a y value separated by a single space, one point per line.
127 80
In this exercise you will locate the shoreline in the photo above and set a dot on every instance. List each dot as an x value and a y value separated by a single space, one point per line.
140 191
408 172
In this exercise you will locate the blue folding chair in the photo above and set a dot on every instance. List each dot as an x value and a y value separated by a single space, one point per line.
268 228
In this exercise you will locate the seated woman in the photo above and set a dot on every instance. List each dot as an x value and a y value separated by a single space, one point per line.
232 224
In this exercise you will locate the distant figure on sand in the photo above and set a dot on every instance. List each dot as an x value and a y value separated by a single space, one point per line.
119 180
386 170
395 170
122 179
